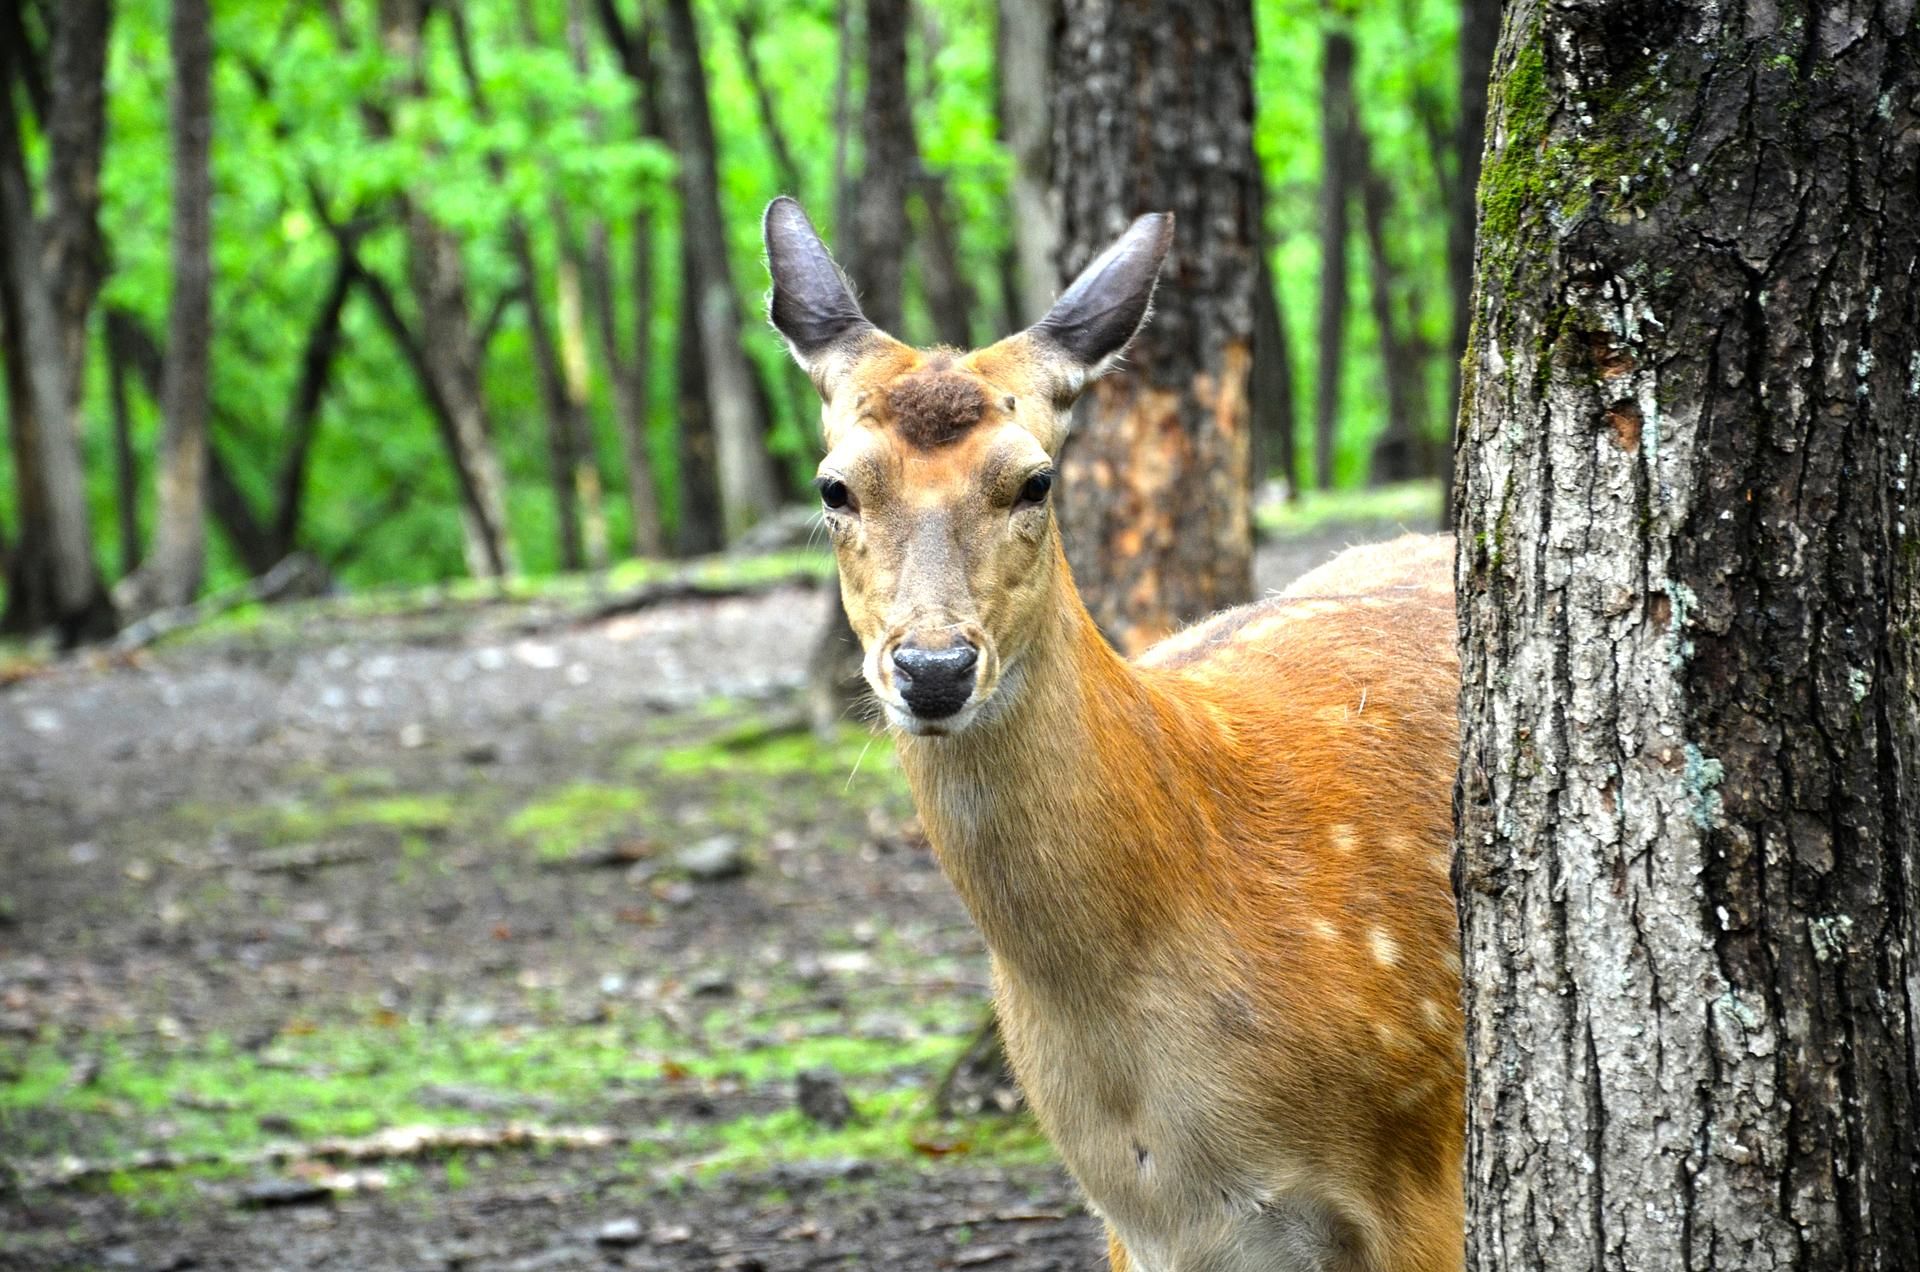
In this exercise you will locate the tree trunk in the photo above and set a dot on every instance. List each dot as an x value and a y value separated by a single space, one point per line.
126 462
576 368
553 398
53 580
174 569
1336 180
1154 480
700 527
1402 451
76 130
632 376
843 228
1025 63
943 279
876 258
1273 410
1479 32
746 26
445 350
1690 592
738 424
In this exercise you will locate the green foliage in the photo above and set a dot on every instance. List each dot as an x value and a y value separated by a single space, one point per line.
308 101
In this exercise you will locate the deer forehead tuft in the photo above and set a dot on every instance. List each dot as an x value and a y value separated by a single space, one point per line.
934 407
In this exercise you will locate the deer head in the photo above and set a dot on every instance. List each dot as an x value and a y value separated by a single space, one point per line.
940 464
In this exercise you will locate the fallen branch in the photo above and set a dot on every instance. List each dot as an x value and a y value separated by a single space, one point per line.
293 575
396 1143
652 595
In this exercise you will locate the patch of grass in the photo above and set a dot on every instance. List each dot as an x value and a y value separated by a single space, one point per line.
560 823
1413 504
891 1127
220 1100
749 748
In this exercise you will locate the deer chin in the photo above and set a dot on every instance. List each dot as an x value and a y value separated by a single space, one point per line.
903 718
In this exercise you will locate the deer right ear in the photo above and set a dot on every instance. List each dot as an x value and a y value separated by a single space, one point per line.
811 306
1098 316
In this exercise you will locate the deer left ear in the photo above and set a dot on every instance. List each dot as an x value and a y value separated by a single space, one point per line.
811 305
1098 316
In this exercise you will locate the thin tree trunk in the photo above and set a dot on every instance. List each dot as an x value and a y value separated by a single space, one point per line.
1025 65
303 411
1154 483
843 227
700 526
76 129
570 310
53 578
740 457
943 280
1479 32
632 376
1690 590
445 350
1402 451
1336 179
746 26
126 463
1273 408
877 256
177 564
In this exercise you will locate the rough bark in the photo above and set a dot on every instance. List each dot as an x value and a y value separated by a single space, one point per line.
1153 111
1025 63
1336 181
174 568
1690 594
53 580
737 421
1479 32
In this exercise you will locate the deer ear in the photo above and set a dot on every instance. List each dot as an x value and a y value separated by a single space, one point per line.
811 305
1098 316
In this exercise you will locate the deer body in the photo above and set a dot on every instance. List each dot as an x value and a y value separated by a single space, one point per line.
1224 948
1214 880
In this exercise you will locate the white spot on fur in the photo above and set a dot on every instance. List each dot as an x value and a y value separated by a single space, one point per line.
1386 950
1326 931
1436 1014
1343 837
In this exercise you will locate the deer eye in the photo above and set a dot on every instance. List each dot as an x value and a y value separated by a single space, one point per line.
1035 491
834 493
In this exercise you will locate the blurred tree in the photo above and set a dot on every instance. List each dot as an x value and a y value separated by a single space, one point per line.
1479 32
631 368
1690 593
1336 184
1153 110
1403 449
446 351
1025 95
49 275
737 417
172 573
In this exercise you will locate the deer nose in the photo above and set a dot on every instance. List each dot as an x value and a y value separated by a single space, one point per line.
935 682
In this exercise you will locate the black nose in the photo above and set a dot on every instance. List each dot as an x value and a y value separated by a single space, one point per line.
935 682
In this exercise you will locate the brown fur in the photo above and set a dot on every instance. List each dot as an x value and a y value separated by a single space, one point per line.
1215 880
933 408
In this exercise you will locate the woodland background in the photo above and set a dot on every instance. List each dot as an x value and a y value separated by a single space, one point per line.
544 148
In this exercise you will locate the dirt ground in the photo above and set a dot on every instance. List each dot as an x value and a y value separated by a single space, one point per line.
270 891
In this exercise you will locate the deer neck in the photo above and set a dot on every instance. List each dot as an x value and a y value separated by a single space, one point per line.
1063 817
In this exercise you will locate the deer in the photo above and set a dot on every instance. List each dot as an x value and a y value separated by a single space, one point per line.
1214 881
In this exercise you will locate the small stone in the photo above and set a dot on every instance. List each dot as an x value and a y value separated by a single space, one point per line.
620 1233
820 1097
711 983
481 753
713 859
268 1194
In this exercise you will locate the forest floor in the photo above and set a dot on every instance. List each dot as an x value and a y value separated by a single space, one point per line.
422 932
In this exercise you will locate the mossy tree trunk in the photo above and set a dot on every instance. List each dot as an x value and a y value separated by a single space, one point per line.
1690 596
1153 111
